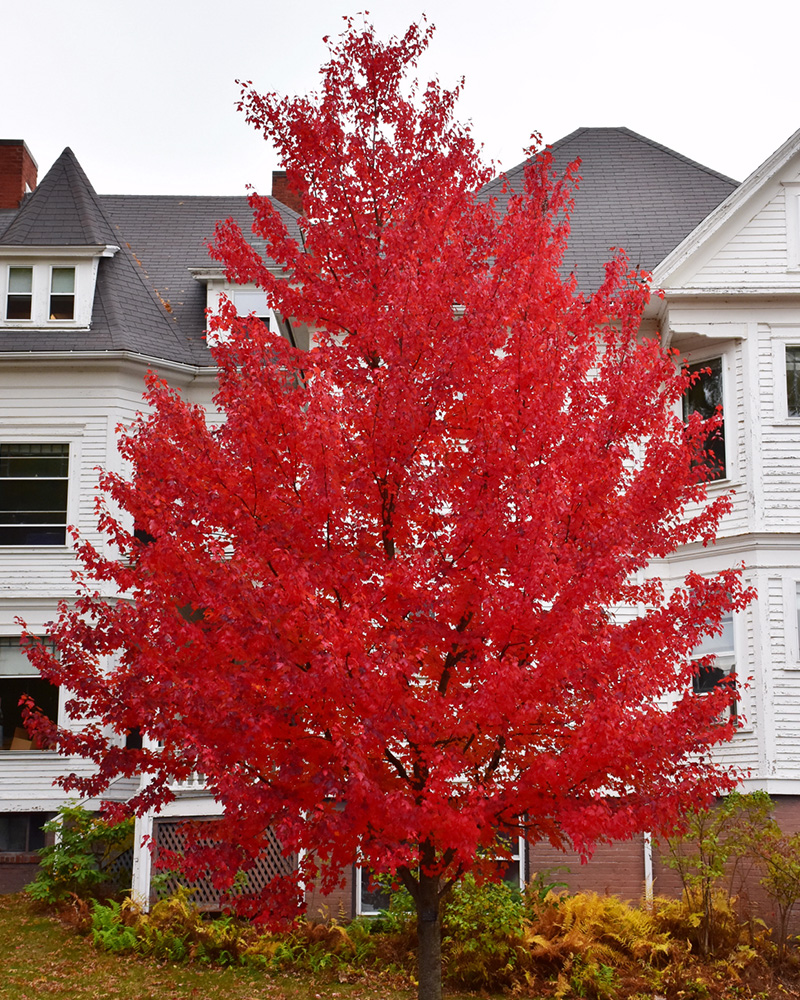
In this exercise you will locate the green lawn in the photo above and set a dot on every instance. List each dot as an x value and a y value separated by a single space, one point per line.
42 960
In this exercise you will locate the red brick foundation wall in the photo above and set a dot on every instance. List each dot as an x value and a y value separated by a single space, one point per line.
615 869
16 871
744 882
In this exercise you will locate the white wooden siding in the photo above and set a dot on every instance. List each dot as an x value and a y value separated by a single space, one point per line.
756 255
44 402
27 780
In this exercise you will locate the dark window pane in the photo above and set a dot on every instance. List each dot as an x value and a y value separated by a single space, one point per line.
133 740
14 832
705 397
22 833
26 500
793 381
32 535
18 307
373 898
34 467
45 696
706 679
33 493
62 307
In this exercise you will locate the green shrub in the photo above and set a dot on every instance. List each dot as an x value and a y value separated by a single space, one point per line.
87 858
482 926
712 857
109 929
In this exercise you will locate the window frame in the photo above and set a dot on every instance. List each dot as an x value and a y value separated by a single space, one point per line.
41 295
703 360
725 656
8 641
360 883
780 394
52 294
29 295
21 511
790 589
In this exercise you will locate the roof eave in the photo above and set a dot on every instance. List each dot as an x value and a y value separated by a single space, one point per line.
64 250
713 222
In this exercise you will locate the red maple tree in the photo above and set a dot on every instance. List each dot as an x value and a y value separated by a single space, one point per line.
382 605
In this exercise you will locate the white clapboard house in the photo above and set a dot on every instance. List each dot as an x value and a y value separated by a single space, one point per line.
96 290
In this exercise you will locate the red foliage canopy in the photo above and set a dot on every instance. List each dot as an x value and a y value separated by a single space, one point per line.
407 553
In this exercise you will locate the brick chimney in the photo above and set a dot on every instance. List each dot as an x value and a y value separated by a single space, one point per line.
17 172
283 193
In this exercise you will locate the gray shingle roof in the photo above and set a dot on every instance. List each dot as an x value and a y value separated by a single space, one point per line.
168 235
635 194
63 211
146 301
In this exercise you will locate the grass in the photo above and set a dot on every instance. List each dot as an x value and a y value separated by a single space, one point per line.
40 959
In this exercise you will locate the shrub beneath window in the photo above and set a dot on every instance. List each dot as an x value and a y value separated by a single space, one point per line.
90 858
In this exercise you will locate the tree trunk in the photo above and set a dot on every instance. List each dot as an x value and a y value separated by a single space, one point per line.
429 933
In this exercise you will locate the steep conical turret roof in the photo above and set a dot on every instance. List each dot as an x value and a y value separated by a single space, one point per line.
64 210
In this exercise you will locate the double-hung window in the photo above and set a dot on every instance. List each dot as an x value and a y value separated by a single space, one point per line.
33 493
19 303
709 676
370 897
41 295
62 293
792 380
704 396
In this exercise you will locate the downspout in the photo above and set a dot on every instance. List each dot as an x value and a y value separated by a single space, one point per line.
142 860
648 868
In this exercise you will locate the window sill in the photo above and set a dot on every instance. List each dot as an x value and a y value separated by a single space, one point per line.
63 546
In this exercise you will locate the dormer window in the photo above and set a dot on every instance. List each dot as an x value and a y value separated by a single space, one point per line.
49 287
62 293
47 294
19 304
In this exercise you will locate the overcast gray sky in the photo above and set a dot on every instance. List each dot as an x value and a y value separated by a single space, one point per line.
143 90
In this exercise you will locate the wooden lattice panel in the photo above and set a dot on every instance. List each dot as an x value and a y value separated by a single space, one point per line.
168 837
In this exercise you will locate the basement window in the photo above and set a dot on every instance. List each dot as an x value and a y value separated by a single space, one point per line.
22 833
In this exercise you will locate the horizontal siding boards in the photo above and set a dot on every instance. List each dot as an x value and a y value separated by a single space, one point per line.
27 779
757 252
786 713
86 406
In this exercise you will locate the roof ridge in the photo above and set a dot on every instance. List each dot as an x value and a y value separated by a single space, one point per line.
678 156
